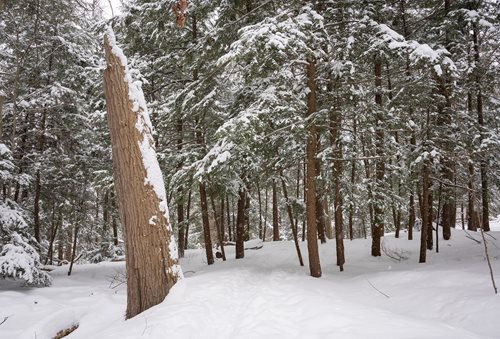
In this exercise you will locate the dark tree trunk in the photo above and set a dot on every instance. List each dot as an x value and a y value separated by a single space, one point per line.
276 229
483 166
336 143
430 201
424 211
312 238
247 216
218 227
260 210
229 228
378 206
180 195
188 214
206 224
411 216
240 224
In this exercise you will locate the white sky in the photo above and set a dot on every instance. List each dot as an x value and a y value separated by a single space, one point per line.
107 9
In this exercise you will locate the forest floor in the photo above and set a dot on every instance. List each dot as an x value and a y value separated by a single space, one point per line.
268 295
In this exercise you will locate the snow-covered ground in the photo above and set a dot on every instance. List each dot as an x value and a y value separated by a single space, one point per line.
268 295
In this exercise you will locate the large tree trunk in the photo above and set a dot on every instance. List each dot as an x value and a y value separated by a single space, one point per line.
151 253
312 232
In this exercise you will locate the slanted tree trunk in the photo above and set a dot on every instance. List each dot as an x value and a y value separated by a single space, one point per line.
312 232
188 214
151 255
292 224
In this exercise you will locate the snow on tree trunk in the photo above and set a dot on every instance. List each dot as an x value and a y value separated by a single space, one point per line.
151 253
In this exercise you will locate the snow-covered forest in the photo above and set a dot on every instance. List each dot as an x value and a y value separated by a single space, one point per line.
249 168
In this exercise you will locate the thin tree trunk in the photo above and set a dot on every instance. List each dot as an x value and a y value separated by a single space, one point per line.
304 230
240 224
265 217
471 210
73 253
438 216
188 214
483 166
260 210
105 212
312 238
320 214
218 227
276 229
425 211
222 220
336 143
206 224
292 224
378 206
229 228
38 184
247 216
430 201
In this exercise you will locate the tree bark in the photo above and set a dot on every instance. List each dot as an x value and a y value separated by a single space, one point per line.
312 238
292 224
206 224
425 211
336 143
378 209
240 224
151 254
218 227
276 228
483 166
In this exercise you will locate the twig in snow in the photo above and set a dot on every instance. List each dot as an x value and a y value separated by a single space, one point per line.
379 291
471 238
5 319
468 235
490 236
